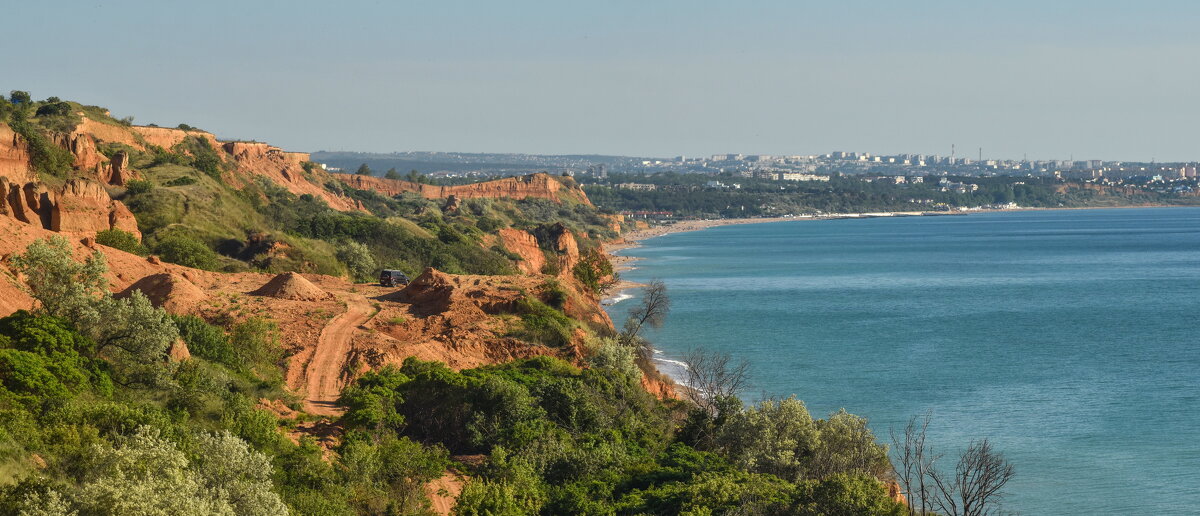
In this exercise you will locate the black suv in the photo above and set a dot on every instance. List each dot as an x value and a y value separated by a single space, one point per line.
390 278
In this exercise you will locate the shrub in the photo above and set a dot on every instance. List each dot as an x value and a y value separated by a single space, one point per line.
123 240
553 294
44 155
181 181
255 343
543 324
187 252
594 271
851 495
610 354
27 377
138 186
205 340
358 259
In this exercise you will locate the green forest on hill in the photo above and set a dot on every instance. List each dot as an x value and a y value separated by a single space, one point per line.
687 196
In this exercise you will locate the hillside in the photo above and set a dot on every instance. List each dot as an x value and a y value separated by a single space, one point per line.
207 307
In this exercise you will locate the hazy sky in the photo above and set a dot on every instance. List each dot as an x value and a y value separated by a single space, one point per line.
1094 79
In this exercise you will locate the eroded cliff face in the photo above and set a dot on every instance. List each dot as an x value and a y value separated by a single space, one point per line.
254 159
538 185
14 156
80 207
524 245
83 206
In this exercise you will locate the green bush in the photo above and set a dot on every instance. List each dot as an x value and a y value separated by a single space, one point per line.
544 325
185 251
358 260
206 341
181 181
46 157
594 271
122 240
256 346
553 294
138 186
43 358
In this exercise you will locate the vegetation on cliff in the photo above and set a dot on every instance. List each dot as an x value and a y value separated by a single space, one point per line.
110 405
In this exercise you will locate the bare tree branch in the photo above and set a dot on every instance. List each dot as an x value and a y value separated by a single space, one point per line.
975 487
713 377
652 311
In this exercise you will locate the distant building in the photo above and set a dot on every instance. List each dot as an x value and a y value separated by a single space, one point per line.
796 176
642 187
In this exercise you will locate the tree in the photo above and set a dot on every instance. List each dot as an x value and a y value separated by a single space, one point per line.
62 286
775 437
393 174
358 259
131 333
19 97
848 446
143 474
913 462
186 252
364 170
594 271
610 354
229 466
713 377
975 487
134 336
653 310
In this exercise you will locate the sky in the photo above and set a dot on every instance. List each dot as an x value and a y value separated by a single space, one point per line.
1091 79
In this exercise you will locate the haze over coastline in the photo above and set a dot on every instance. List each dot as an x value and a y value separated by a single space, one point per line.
1093 80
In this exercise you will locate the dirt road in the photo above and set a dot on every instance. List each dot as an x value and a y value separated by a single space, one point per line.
323 373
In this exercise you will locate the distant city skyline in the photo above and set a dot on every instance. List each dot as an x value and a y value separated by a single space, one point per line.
1092 80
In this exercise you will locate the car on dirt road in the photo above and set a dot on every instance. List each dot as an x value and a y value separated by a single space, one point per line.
391 278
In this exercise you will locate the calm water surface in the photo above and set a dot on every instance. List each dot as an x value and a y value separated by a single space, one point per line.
1066 337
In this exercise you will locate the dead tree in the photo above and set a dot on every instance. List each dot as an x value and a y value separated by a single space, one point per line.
714 378
975 487
652 311
913 462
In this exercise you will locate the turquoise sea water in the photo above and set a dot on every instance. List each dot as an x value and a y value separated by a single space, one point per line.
1069 338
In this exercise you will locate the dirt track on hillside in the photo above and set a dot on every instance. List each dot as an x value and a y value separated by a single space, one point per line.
323 374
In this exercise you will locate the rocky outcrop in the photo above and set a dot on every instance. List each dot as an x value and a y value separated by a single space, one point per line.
166 137
567 248
82 206
119 172
660 386
285 169
538 185
524 245
14 156
83 147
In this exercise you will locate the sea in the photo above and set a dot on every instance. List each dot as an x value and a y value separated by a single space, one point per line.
1067 338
